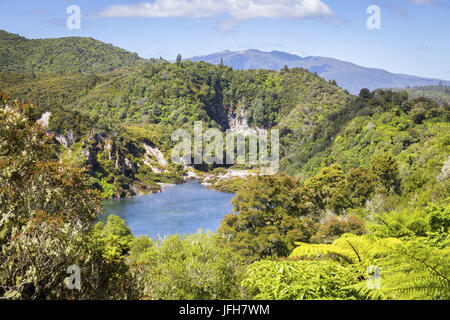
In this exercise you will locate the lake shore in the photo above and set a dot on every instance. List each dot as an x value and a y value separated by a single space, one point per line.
179 209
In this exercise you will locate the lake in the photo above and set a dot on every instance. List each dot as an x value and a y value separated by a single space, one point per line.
179 209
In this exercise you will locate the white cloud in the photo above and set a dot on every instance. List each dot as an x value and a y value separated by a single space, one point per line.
423 2
227 25
430 3
237 9
166 9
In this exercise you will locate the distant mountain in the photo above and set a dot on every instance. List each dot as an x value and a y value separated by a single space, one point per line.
62 55
347 75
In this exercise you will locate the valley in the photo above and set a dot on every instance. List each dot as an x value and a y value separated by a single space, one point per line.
86 149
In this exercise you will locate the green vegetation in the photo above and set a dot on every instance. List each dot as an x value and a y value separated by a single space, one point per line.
320 238
269 220
62 55
440 93
229 186
301 280
47 212
188 267
408 269
154 99
360 211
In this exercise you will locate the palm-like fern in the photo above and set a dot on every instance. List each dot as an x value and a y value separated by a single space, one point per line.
415 270
349 249
409 269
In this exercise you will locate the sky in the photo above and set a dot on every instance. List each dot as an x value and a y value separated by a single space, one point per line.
413 37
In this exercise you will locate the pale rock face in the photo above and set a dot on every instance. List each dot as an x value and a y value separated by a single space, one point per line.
109 148
129 165
238 123
190 173
228 175
445 171
65 141
154 158
87 154
44 119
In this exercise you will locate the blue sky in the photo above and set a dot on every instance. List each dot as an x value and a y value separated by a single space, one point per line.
414 35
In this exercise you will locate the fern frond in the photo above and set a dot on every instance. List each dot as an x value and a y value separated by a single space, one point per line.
418 271
350 248
409 269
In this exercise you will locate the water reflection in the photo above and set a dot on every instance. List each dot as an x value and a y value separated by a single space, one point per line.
179 209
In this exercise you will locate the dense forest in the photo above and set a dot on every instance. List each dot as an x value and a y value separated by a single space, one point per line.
360 209
62 55
439 93
131 106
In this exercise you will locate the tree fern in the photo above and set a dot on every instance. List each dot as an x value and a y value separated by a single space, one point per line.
349 249
408 269
415 270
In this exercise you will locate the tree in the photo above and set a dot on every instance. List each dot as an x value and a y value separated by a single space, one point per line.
386 172
45 208
46 214
327 188
107 273
334 227
365 94
191 267
419 113
269 217
360 185
178 62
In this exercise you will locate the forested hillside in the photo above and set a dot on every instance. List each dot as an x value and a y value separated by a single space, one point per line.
319 123
156 98
363 194
62 55
338 235
439 93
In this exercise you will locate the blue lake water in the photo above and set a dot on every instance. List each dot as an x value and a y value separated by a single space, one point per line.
179 209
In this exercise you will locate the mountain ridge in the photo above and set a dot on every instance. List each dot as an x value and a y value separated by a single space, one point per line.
88 55
348 75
